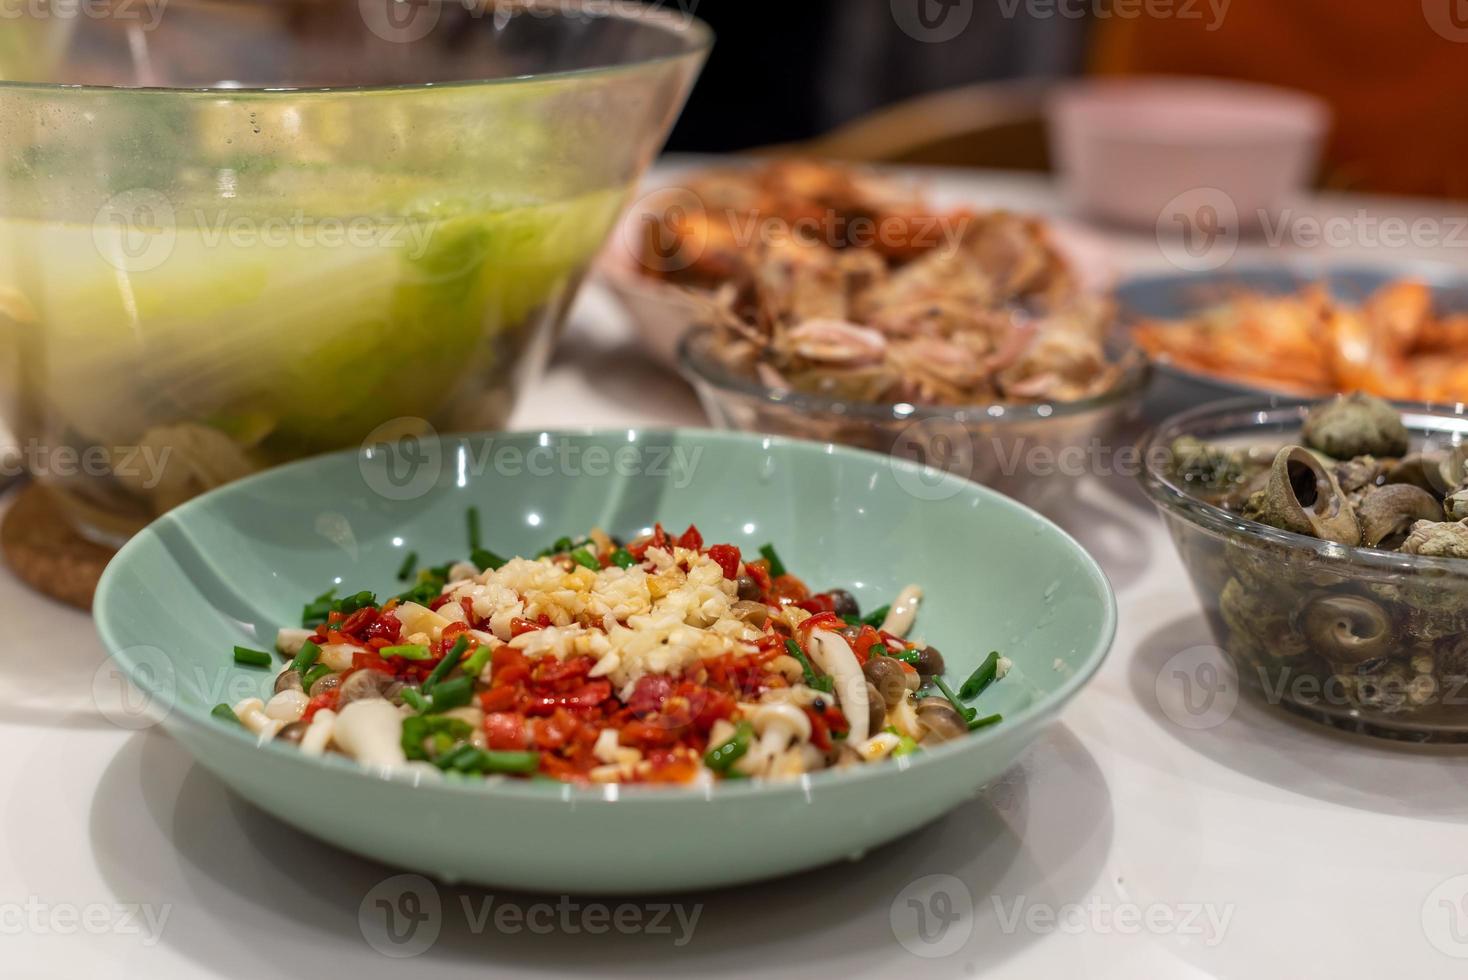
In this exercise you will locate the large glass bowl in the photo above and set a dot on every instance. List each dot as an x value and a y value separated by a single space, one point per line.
1034 453
1371 641
232 234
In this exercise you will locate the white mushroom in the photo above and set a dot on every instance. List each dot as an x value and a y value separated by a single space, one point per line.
879 746
287 706
903 612
778 725
251 713
834 655
317 737
371 731
338 656
290 641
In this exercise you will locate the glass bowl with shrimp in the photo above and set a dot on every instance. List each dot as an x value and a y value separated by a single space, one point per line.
1305 330
403 667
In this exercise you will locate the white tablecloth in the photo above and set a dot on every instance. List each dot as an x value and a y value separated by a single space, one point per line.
1124 845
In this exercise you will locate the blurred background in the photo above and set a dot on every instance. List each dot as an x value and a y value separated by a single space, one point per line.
963 81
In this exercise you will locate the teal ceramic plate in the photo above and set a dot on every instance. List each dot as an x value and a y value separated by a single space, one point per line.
234 565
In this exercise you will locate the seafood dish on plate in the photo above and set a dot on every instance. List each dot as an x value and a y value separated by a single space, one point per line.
659 661
836 282
1394 342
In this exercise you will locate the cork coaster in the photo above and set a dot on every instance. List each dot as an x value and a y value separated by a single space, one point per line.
46 554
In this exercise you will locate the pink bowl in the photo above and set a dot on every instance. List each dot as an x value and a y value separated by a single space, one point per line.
1133 150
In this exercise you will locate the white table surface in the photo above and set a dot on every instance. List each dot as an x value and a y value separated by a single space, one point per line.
1320 854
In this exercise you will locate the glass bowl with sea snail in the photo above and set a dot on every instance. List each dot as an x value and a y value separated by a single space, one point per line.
1328 545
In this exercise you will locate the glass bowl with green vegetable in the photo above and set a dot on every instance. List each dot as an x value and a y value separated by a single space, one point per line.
238 234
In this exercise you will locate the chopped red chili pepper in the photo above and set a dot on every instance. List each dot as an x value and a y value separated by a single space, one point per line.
691 539
726 556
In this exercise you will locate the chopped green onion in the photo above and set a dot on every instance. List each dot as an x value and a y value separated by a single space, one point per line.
313 675
722 756
966 713
415 700
443 732
980 679
811 680
449 662
623 558
507 762
905 746
409 565
452 694
252 658
586 559
457 757
306 658
876 617
315 612
906 656
977 723
473 518
777 567
561 546
225 713
408 651
483 559
474 666
352 603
